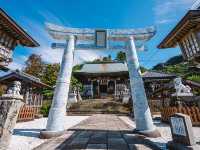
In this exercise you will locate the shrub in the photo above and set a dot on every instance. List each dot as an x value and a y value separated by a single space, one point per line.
45 108
195 78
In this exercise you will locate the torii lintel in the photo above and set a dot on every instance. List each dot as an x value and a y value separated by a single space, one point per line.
88 34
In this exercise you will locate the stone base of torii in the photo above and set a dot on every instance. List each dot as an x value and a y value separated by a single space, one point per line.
142 114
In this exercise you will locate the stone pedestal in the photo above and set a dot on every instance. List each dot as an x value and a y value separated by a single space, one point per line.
10 105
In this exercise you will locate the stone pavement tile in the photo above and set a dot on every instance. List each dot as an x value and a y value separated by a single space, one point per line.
96 147
77 143
139 147
85 134
113 134
98 138
56 142
117 144
134 138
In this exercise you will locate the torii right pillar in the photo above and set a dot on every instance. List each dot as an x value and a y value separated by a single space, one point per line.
142 114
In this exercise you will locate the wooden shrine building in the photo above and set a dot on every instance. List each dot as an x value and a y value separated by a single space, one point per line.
11 35
111 79
31 86
186 34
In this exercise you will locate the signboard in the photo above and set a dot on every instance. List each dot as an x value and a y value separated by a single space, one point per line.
101 38
181 129
178 126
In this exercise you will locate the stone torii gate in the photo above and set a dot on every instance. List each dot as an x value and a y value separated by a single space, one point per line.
88 39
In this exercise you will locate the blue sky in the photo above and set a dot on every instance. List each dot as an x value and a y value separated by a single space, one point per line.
32 15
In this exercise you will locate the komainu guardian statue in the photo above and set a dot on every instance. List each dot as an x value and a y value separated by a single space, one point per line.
15 88
181 89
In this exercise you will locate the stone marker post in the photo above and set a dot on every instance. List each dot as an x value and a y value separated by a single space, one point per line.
10 105
182 134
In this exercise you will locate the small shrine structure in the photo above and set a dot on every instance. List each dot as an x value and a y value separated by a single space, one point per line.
31 88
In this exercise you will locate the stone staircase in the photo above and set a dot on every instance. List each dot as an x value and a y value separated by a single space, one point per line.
99 106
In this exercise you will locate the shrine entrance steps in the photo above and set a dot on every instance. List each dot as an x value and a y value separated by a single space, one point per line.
99 106
99 132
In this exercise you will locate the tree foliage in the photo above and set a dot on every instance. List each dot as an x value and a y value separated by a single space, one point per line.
34 65
50 74
174 65
121 56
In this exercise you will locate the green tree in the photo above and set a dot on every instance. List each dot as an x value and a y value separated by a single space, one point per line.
50 74
143 69
77 67
34 65
121 56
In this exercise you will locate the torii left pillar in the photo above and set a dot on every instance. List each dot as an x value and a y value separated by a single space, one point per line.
55 123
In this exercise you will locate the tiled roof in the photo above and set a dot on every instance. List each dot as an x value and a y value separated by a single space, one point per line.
116 67
152 74
22 76
9 25
104 68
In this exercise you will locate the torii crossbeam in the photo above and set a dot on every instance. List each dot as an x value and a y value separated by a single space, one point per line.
78 38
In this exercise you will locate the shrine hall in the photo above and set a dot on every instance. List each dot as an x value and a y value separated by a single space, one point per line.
111 79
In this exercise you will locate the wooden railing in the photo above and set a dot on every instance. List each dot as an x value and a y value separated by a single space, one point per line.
28 113
32 107
193 112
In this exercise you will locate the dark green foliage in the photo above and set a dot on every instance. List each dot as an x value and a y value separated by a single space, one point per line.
50 74
195 78
77 67
174 60
121 56
143 69
76 84
45 108
159 66
174 65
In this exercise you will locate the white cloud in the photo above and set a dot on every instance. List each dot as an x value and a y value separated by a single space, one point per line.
18 62
166 10
87 55
51 17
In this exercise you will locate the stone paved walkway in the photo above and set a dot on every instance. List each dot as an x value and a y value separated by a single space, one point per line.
99 132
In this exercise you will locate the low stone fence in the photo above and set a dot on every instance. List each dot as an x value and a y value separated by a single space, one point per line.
193 112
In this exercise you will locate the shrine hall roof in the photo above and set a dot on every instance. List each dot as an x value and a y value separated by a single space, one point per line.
12 28
185 25
23 77
157 75
117 67
103 68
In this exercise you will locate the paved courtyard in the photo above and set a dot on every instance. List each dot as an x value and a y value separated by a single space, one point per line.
100 132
